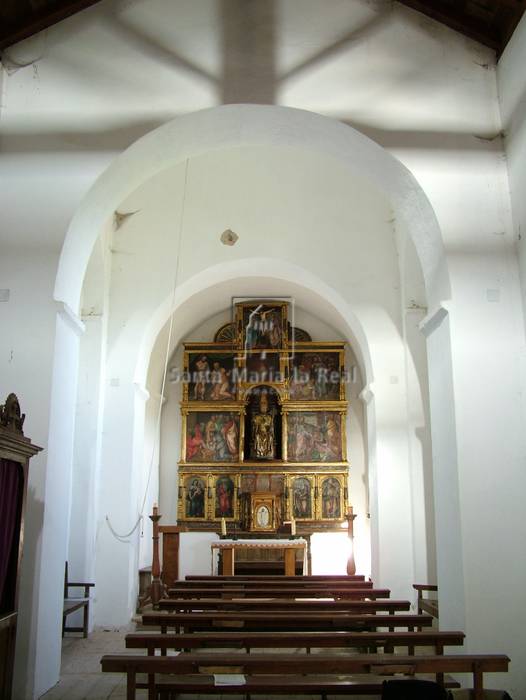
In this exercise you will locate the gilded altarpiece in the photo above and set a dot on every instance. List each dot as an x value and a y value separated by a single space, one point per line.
263 427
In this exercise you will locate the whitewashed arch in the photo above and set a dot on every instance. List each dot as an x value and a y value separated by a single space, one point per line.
248 125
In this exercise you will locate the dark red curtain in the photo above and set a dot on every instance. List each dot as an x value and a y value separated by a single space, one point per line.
10 473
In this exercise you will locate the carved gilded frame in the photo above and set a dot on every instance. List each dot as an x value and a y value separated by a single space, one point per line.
258 502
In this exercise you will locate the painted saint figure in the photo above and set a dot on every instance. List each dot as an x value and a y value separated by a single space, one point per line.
224 497
330 494
195 497
301 498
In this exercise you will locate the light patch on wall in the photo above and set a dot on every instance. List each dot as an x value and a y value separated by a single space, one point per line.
493 294
5 294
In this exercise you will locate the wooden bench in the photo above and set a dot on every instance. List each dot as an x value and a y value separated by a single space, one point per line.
428 605
282 621
276 577
275 592
387 641
248 585
290 674
273 605
71 605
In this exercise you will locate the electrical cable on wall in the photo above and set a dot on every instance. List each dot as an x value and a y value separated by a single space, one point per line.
155 445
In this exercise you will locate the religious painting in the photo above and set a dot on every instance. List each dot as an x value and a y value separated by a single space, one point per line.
331 498
211 376
302 498
195 496
262 367
263 325
314 436
315 376
212 436
224 497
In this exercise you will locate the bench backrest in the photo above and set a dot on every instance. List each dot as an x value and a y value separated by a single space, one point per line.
290 604
281 640
285 621
275 592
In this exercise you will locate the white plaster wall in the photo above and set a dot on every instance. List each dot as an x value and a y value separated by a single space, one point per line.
512 93
26 351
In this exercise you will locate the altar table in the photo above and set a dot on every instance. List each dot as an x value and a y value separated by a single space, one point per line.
229 547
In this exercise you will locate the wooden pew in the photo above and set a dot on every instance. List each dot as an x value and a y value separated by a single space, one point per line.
295 640
275 592
289 674
282 621
276 577
271 606
275 583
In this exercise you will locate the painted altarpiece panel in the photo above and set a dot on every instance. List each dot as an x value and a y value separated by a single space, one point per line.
315 436
331 497
210 376
316 375
211 436
301 493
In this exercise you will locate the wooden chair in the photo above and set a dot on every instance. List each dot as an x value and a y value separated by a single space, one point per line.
71 605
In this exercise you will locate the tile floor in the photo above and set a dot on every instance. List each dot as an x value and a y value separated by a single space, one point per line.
81 678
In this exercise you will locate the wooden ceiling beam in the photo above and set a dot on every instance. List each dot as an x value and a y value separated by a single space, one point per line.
456 18
25 26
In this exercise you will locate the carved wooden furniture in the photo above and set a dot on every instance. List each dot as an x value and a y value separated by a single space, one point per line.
72 604
15 453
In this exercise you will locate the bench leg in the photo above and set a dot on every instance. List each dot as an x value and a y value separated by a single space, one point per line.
86 622
130 684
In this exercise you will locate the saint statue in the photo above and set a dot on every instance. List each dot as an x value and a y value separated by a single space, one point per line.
263 442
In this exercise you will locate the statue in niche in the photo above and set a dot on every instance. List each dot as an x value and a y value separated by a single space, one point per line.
263 444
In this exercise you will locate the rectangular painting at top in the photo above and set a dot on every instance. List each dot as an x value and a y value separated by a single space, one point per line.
263 326
315 376
314 436
212 436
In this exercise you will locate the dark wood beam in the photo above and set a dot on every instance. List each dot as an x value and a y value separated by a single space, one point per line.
22 27
456 18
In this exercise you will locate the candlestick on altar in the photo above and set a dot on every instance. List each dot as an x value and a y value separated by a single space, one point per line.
351 564
223 527
156 589
293 527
